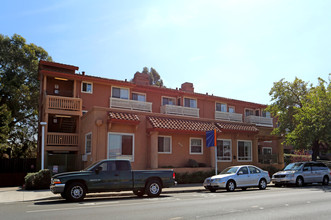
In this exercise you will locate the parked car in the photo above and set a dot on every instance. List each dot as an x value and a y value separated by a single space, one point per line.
238 177
300 173
111 175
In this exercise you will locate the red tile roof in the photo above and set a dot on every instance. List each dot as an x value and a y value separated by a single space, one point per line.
234 126
121 116
173 124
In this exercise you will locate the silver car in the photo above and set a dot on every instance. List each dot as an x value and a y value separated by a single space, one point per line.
238 176
301 173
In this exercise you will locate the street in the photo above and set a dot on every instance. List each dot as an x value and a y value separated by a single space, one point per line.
273 203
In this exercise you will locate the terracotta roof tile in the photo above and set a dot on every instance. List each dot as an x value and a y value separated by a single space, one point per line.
234 126
123 116
181 124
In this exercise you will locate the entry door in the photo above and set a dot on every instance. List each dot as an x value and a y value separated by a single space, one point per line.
307 173
105 177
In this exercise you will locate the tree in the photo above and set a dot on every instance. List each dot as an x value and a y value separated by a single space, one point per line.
19 90
303 112
154 76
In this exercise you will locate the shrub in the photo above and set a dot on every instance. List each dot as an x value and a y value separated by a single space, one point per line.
192 163
271 170
196 177
39 180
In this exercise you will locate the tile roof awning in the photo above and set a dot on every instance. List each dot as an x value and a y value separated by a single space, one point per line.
237 127
181 125
121 117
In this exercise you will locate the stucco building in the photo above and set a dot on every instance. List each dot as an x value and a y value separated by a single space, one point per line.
91 118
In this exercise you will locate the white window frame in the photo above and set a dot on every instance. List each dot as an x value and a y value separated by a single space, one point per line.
223 149
170 152
221 103
266 148
168 97
238 151
89 92
195 153
118 87
133 144
88 153
139 93
196 102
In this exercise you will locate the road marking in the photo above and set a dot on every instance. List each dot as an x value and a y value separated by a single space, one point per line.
176 218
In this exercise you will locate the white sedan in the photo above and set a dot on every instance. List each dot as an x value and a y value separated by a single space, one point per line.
238 177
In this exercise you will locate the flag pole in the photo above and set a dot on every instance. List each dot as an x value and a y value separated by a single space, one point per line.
215 144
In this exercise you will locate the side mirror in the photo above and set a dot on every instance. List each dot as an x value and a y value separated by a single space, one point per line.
97 170
240 173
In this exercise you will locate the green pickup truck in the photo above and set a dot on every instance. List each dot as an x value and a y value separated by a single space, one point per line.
111 176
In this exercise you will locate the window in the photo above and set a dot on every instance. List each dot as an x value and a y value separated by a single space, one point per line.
266 114
196 146
164 144
120 93
253 170
168 101
249 112
88 143
139 97
221 107
191 103
244 151
243 170
86 87
224 150
267 150
121 146
231 109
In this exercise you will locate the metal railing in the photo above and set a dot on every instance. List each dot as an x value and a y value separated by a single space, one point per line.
179 110
130 104
62 139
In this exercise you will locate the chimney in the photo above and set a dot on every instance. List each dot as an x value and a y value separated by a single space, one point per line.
187 87
83 73
141 79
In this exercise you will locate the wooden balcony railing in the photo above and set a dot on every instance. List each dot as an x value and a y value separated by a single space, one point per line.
63 103
227 116
130 104
261 121
179 110
62 139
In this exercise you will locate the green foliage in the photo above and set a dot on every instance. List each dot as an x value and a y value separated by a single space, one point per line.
196 177
19 89
271 170
154 76
5 118
39 180
303 112
192 163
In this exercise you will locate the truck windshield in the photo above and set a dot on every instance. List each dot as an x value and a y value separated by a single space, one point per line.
293 167
229 170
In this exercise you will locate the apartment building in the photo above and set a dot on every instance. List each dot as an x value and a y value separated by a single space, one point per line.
91 118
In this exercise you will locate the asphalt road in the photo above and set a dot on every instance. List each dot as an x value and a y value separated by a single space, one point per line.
273 203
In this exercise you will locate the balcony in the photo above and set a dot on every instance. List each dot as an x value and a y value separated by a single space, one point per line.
63 105
130 104
62 139
227 116
179 110
260 121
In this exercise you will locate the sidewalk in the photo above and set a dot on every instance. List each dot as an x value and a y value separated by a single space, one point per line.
16 194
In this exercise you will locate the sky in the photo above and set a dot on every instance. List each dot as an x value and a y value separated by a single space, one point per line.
229 48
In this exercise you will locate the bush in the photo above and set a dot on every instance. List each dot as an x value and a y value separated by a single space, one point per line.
39 180
192 163
271 170
196 177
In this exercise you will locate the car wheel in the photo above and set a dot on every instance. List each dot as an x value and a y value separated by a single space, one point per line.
244 188
262 184
231 186
153 188
75 192
325 180
212 190
139 193
299 182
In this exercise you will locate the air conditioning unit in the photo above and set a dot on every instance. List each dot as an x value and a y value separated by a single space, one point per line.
84 157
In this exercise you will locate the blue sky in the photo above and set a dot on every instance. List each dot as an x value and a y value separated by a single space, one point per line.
234 49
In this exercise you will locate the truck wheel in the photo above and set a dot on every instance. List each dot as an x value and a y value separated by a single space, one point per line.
75 192
139 193
153 188
63 195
